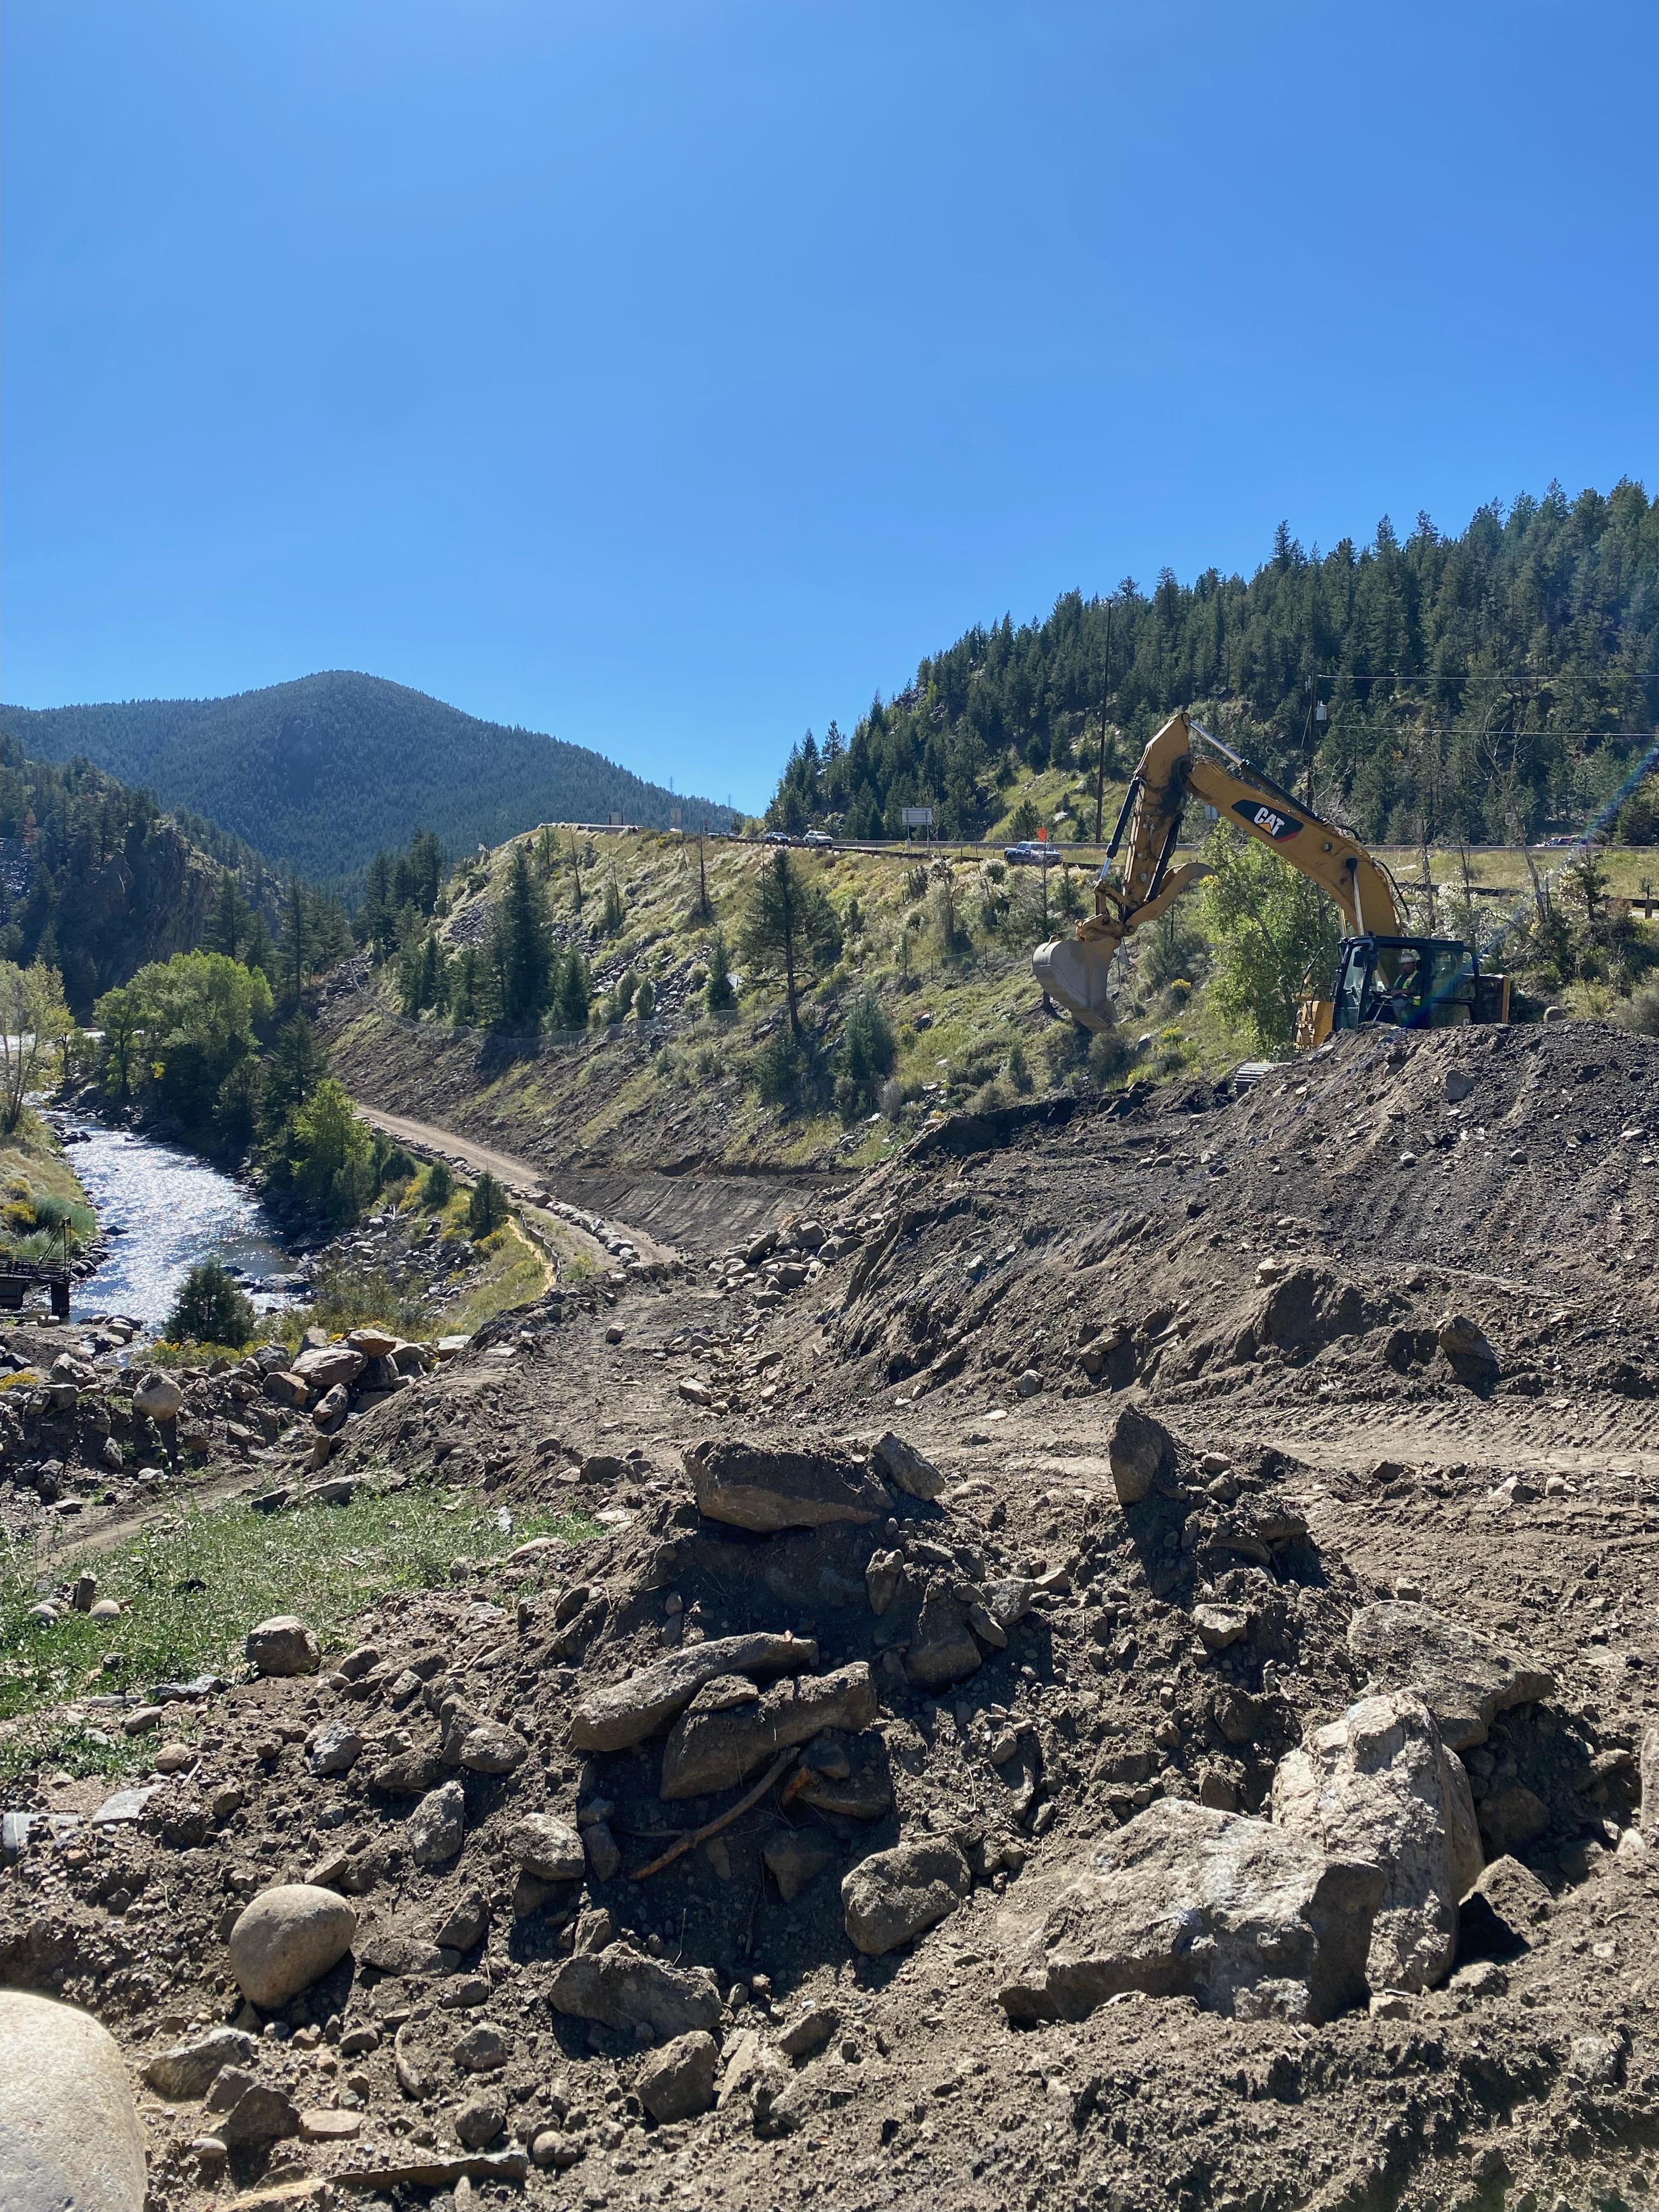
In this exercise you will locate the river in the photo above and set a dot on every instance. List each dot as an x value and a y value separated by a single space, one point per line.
175 1209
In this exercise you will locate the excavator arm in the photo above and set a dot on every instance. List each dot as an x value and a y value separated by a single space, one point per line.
1074 970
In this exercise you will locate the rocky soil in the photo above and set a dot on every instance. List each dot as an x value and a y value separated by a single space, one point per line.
1119 1669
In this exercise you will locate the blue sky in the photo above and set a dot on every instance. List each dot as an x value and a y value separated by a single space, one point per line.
672 377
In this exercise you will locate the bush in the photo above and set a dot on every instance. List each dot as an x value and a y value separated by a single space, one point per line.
1019 1071
645 1000
1066 1050
867 1054
1641 1011
210 1309
780 1067
719 996
1111 1053
437 1185
890 1099
486 1209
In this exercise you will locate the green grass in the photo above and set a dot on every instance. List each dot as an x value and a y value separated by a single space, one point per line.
326 1562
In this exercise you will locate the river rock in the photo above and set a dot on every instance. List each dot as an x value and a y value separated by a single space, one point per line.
1186 1900
753 1486
437 1827
1378 1785
896 1895
187 2072
70 2136
677 2081
628 1712
286 1937
622 1988
726 1736
158 1396
1463 1677
283 1645
1139 1449
542 1845
905 1468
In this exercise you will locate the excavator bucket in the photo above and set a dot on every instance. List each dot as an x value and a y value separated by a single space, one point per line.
1073 971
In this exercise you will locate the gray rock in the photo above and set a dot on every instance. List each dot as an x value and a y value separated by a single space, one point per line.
1008 1600
622 1988
284 1388
437 1827
1468 1352
677 2081
943 1649
1463 1677
1377 1785
795 1857
323 1370
810 2033
492 1747
464 1923
717 1744
1507 1912
603 1858
905 1468
407 1773
751 1487
628 1712
1220 1626
1647 1814
547 1847
334 1749
400 1949
288 1936
481 2049
260 2115
158 1396
187 2072
1188 1901
481 2118
883 1578
283 1645
329 1414
1140 1449
896 1895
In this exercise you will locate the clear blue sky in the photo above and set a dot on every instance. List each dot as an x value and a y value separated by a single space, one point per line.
672 376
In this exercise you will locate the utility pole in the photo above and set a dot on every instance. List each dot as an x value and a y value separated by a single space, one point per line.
1105 692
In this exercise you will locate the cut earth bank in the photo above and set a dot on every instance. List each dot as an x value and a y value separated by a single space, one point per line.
1158 1662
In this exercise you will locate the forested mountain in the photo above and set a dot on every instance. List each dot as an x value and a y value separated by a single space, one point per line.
96 880
1483 686
323 773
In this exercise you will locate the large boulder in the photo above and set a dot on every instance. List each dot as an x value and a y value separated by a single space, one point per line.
1468 1351
158 1395
288 1936
753 1486
1378 1785
70 2136
1186 1900
283 1645
622 1988
731 1730
626 1713
893 1895
321 1370
1462 1677
1139 1449
905 1468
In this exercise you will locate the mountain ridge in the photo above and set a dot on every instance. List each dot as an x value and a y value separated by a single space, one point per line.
323 771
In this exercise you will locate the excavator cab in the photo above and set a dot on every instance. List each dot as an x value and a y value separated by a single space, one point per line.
1414 983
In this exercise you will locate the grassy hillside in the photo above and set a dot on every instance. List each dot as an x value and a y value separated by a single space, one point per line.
944 946
323 773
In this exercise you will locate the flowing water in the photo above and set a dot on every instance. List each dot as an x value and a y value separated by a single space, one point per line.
175 1209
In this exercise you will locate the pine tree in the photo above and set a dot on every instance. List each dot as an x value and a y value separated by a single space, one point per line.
524 947
297 939
790 922
574 995
230 928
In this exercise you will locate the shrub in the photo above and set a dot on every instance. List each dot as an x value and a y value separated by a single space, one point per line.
890 1099
719 996
486 1209
867 1055
780 1068
437 1185
1066 1050
645 1000
1109 1053
210 1309
1641 1011
1019 1071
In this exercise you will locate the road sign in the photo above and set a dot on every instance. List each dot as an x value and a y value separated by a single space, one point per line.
918 818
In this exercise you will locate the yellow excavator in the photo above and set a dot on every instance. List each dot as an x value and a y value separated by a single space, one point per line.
1385 977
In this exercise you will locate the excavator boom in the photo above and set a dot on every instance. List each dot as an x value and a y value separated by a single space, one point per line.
1074 970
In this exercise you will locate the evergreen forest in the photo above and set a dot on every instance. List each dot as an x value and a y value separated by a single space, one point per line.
1490 687
323 773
